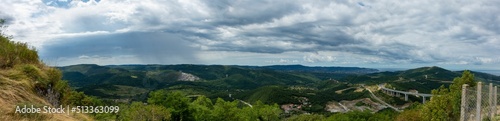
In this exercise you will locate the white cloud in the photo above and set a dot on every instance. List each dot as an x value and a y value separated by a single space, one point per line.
315 57
450 32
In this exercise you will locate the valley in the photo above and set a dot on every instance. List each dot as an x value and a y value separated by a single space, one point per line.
297 89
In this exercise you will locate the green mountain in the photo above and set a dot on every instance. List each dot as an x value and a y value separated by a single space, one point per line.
423 79
485 77
114 81
291 84
429 73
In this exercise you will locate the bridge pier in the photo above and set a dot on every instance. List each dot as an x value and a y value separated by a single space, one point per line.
406 97
423 99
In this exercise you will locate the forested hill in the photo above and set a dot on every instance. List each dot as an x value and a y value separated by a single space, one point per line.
113 80
433 73
224 76
136 81
318 89
423 79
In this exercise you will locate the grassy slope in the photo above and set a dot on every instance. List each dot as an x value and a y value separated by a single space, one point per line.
17 89
21 74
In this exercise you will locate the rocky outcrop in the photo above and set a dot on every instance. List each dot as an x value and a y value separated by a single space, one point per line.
187 77
49 94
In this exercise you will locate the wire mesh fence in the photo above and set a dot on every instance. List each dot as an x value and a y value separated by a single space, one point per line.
479 103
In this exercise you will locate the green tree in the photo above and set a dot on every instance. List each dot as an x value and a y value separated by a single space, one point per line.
203 101
226 111
445 104
137 111
410 115
267 112
176 101
351 116
260 112
308 117
78 98
384 115
201 109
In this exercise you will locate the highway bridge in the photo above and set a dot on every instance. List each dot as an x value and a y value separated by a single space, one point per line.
398 93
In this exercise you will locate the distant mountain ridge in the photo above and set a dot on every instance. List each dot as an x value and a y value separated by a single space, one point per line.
301 68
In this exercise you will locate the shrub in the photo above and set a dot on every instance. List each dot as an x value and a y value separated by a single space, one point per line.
54 75
78 98
138 111
32 72
14 53
410 115
306 117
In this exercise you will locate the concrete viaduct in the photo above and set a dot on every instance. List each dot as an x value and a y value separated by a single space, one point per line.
398 93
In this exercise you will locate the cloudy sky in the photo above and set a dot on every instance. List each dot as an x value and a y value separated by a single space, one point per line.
455 34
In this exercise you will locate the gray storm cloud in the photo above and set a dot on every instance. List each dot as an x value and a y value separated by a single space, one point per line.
151 47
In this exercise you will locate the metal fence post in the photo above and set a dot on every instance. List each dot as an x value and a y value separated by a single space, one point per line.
462 106
478 101
490 101
495 101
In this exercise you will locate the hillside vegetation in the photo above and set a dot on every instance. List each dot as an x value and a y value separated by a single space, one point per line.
296 92
112 82
25 80
213 79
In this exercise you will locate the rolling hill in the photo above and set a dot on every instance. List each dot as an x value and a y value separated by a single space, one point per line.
97 80
287 84
423 79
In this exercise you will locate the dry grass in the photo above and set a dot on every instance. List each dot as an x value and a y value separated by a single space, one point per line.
21 72
17 88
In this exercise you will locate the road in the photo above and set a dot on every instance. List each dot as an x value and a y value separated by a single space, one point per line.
245 103
383 102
